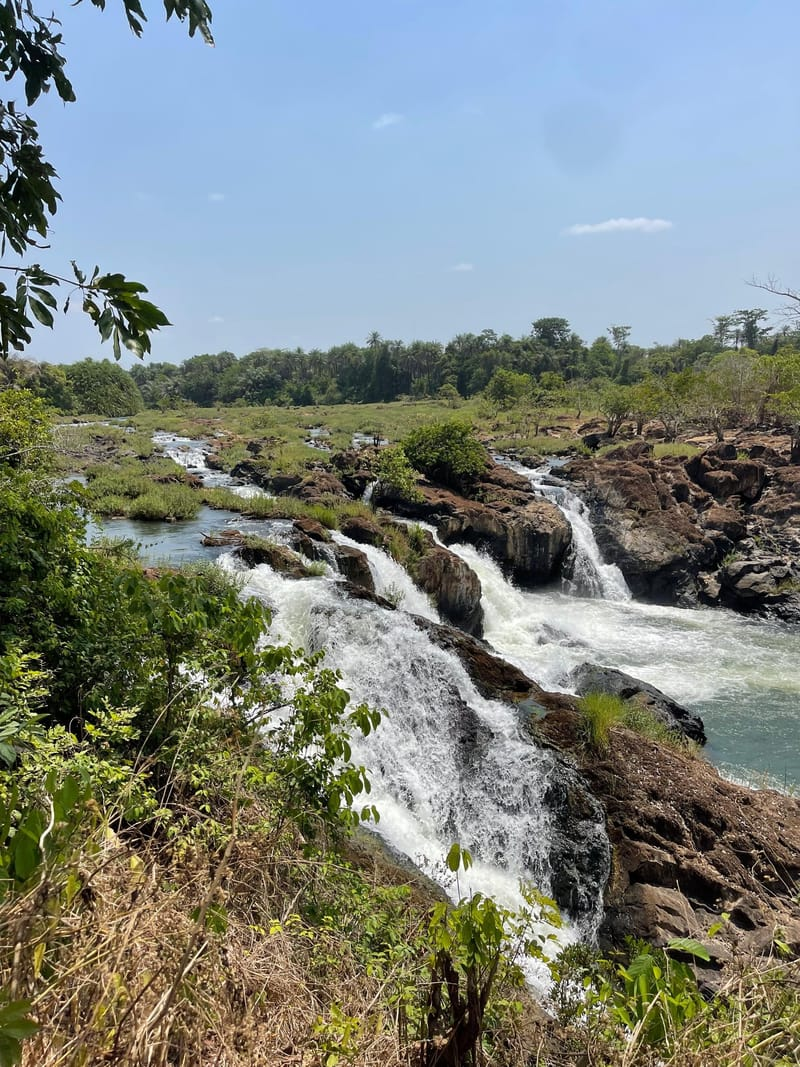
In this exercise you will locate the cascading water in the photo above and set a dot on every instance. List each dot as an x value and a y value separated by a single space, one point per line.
719 664
193 455
391 580
445 764
591 576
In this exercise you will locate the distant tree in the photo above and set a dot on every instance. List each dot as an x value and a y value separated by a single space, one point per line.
644 400
506 387
749 330
103 388
724 330
615 405
553 332
675 399
786 397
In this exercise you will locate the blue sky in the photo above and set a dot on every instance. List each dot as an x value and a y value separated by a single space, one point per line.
416 167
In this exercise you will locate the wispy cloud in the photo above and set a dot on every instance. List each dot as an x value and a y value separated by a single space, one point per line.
216 198
388 118
462 268
623 225
216 319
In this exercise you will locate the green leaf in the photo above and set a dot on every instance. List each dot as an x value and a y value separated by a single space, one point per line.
690 946
454 857
40 311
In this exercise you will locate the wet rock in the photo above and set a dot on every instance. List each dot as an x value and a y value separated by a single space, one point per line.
590 678
364 530
354 565
281 559
454 586
493 677
312 529
530 537
222 538
761 584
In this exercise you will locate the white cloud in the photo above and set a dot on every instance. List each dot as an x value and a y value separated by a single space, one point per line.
623 225
216 198
216 319
462 268
388 118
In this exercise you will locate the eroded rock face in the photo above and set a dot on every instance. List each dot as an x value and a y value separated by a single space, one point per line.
529 536
354 565
453 584
590 678
673 526
278 557
316 485
688 845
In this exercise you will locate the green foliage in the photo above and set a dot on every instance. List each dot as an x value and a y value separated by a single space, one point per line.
505 387
476 947
446 452
653 996
25 441
30 54
15 1026
152 490
396 475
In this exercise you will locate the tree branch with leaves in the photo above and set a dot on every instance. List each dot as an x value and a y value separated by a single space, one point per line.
31 54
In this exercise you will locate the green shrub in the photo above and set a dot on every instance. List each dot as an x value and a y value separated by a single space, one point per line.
447 452
396 474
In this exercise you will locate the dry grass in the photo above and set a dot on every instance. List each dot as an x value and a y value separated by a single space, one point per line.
115 983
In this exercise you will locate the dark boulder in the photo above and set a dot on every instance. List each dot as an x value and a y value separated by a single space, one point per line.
316 486
364 530
452 583
590 678
354 565
256 551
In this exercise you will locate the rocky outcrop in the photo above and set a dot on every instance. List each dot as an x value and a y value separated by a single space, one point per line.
454 586
316 486
493 677
688 845
761 583
672 526
254 473
529 536
590 678
645 523
255 551
354 565
364 530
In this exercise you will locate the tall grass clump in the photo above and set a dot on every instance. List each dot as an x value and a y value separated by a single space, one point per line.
599 712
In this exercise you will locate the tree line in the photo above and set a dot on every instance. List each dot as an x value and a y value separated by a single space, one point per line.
744 370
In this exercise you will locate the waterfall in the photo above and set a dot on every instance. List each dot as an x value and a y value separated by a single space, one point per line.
591 576
446 764
391 580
